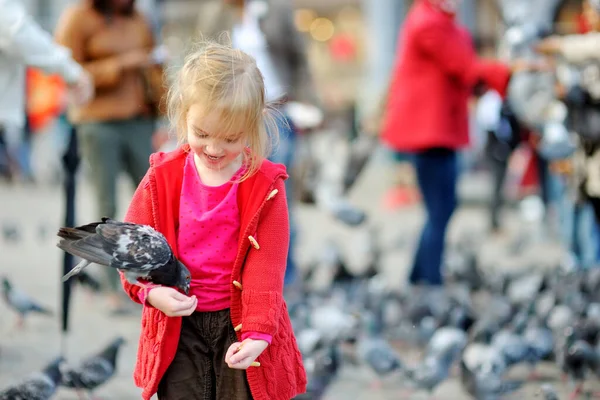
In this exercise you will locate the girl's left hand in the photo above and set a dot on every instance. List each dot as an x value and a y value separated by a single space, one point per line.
242 355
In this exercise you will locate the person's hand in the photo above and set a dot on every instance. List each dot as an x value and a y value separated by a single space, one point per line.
550 45
242 355
82 91
135 59
171 302
524 65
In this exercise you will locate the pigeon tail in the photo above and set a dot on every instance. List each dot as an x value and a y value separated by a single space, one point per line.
41 310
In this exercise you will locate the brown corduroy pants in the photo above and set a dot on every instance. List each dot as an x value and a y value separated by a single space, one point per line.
199 370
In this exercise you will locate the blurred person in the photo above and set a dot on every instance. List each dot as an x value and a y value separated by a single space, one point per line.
435 73
581 94
504 133
207 197
266 31
23 43
114 43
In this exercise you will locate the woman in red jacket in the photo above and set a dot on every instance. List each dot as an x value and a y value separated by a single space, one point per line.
222 207
435 73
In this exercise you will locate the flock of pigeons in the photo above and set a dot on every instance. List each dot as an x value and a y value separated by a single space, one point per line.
84 378
476 327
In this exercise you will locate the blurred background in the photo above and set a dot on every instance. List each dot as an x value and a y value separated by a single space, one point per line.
516 311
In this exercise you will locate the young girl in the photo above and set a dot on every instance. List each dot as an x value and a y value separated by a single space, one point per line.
222 207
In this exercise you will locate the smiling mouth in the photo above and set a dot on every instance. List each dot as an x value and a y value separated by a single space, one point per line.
213 158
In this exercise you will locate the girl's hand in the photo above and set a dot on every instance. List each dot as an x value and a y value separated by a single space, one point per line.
171 302
242 355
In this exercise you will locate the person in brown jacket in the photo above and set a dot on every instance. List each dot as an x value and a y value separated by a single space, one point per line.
114 43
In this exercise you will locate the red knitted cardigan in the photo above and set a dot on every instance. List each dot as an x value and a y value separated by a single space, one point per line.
260 266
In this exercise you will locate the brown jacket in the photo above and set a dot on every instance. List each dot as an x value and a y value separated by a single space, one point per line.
99 45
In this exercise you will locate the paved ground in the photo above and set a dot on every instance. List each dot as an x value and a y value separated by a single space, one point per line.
33 263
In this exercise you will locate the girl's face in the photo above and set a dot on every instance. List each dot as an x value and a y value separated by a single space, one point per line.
214 150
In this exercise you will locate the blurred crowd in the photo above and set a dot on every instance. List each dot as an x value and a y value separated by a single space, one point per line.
101 78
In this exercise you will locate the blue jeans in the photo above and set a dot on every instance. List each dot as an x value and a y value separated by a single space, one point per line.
284 154
437 174
577 222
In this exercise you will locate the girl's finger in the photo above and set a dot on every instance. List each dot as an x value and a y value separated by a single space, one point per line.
231 351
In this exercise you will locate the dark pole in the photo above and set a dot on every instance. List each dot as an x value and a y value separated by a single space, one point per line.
70 163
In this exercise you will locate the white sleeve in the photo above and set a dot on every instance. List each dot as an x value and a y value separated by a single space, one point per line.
580 48
22 38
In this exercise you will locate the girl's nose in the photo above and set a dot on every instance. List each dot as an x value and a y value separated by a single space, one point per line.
213 148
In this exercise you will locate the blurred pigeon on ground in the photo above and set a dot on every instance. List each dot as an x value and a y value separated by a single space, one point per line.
39 385
430 373
20 302
138 251
94 371
447 341
10 232
486 384
322 368
549 392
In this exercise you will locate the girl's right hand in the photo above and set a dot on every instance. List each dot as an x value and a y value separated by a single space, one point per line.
171 302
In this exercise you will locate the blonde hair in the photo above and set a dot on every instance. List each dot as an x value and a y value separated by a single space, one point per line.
226 81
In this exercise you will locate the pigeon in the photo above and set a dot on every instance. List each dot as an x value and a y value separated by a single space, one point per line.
10 232
321 368
431 372
487 384
38 386
447 341
578 359
94 371
549 392
139 251
22 303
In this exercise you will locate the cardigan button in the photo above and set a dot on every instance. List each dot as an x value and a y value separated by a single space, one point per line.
254 242
272 194
238 328
155 348
237 285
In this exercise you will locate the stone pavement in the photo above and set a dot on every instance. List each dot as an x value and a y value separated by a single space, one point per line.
34 264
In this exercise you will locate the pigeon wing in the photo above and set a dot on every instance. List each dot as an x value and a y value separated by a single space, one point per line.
39 387
135 247
95 372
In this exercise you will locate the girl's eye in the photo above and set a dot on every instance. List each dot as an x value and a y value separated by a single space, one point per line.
201 135
231 140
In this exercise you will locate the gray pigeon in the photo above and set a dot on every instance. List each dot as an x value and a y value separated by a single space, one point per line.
431 372
447 341
138 251
20 302
94 371
39 386
549 392
486 385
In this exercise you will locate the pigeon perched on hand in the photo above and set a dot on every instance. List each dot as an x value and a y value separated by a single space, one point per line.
94 371
139 251
39 386
22 303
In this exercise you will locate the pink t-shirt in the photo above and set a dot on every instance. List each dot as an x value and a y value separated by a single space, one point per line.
209 226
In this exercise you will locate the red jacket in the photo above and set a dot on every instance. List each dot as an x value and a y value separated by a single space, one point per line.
435 72
259 306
